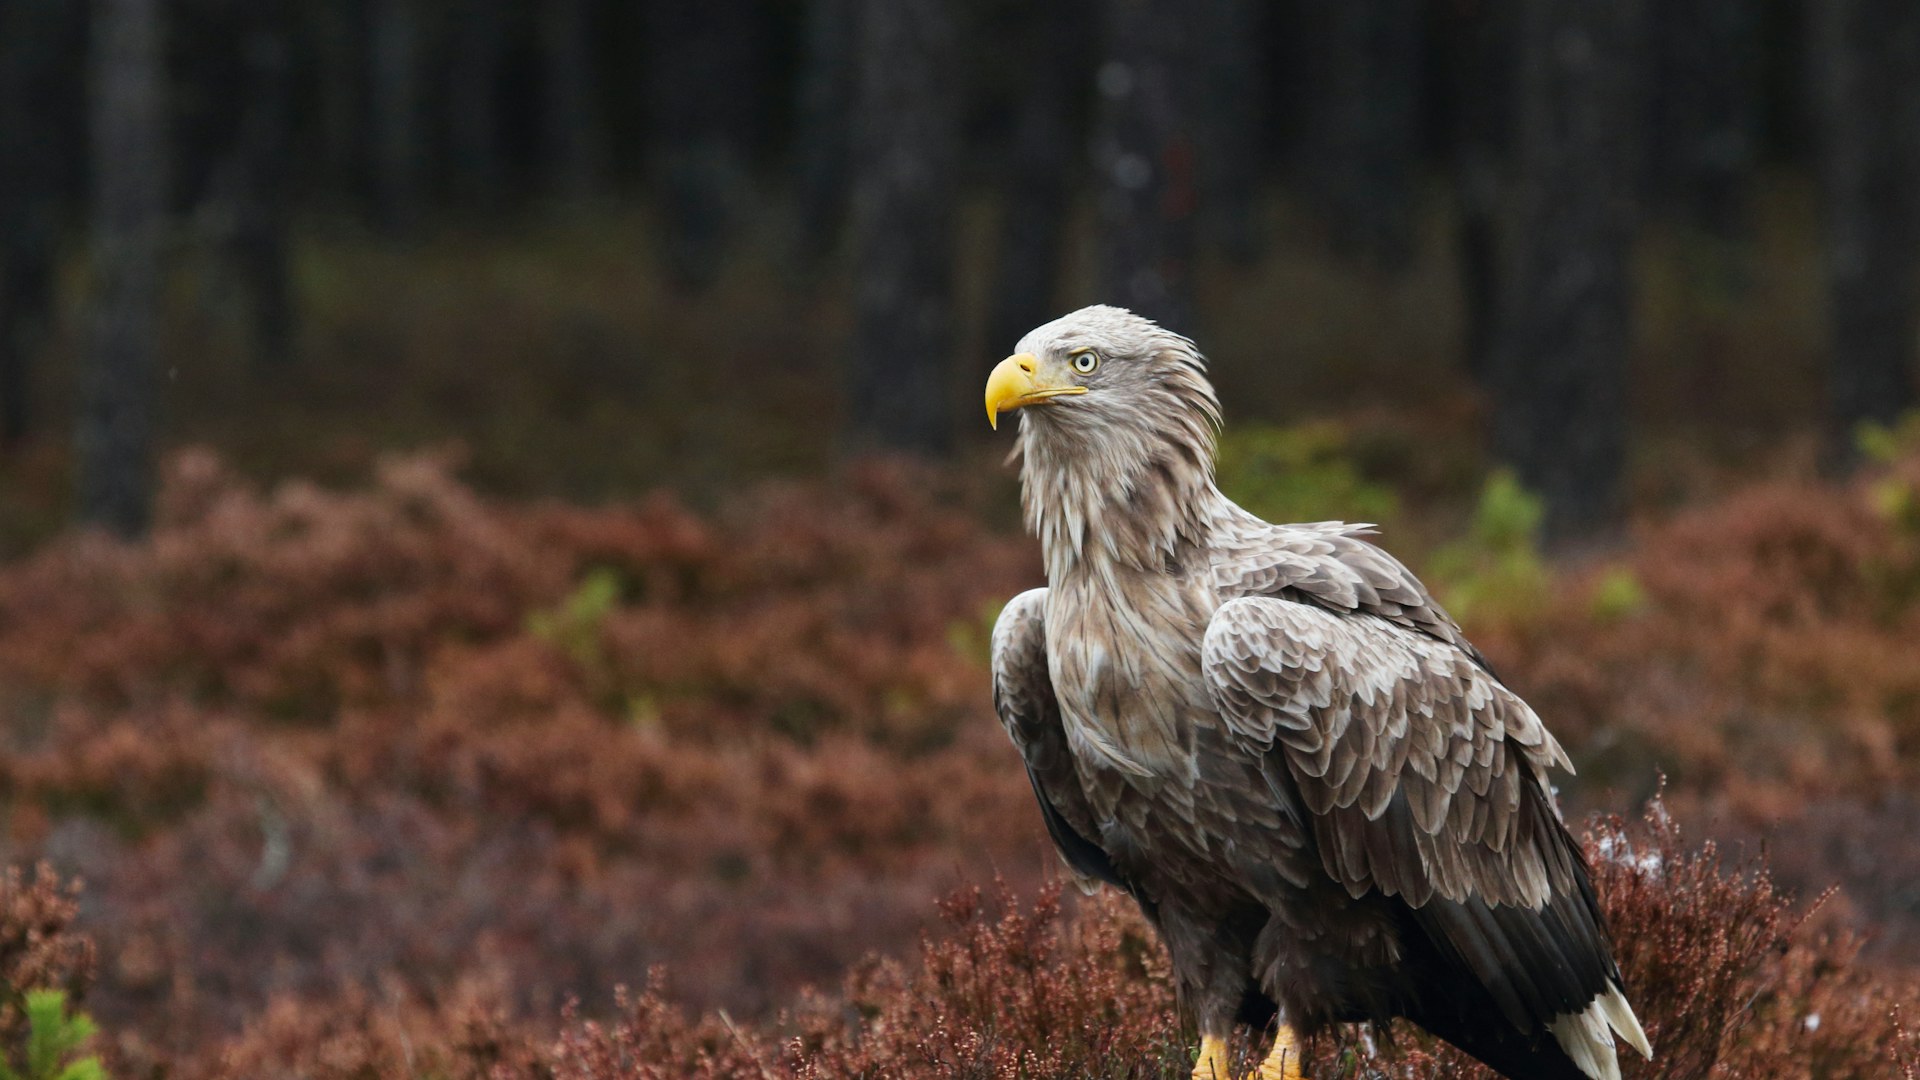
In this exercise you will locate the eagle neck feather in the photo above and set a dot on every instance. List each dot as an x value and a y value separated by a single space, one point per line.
1138 508
1126 539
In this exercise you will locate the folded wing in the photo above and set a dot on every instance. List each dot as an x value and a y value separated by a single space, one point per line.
1424 779
1023 696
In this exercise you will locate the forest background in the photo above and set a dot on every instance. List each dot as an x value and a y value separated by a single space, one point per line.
493 506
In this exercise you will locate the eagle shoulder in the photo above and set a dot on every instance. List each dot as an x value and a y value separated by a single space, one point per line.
1329 564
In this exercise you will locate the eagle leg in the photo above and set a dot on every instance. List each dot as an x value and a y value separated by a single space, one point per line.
1283 1063
1215 1062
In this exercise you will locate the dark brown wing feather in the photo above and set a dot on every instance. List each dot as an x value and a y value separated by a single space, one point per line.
1424 780
1023 696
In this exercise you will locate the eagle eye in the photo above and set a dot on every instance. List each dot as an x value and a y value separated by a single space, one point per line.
1085 361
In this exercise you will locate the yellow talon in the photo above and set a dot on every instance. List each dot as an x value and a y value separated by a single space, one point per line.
1214 1062
1283 1063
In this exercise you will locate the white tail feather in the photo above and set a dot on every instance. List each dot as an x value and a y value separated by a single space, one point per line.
1620 1017
1587 1036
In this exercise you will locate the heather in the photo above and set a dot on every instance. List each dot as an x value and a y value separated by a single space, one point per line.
394 778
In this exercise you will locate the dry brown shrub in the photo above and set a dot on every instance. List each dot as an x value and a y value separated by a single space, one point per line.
360 1036
1772 656
39 949
1002 989
307 741
1006 992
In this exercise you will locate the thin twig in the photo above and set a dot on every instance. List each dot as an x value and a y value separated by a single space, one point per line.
741 1040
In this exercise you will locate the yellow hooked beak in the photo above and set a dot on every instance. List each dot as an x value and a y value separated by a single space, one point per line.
1015 382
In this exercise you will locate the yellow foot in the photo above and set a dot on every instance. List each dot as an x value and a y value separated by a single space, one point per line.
1214 1062
1283 1063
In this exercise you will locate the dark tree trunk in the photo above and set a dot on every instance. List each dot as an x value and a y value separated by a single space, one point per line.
1706 105
1365 130
33 54
1231 120
823 129
337 32
1869 56
477 50
263 196
1040 166
703 94
394 85
1560 384
1480 62
26 281
906 148
1143 157
576 154
115 434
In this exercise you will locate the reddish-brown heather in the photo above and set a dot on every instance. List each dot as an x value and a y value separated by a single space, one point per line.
372 782
1771 659
39 949
1733 981
307 741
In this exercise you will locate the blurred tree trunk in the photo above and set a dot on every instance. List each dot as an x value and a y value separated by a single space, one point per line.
116 417
1143 158
263 195
477 50
1706 106
576 154
823 128
1869 57
1480 62
336 31
1559 388
1365 129
1040 166
32 56
1231 119
906 151
394 86
704 81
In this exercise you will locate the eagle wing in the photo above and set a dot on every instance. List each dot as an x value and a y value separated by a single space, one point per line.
1424 779
1023 696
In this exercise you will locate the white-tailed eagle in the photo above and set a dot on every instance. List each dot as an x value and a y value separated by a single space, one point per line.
1275 740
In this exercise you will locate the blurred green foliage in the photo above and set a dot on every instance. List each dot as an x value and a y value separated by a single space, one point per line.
1495 571
1895 496
1305 472
53 1034
573 626
1617 595
1884 444
973 638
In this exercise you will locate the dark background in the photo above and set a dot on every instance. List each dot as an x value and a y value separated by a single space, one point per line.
493 494
609 245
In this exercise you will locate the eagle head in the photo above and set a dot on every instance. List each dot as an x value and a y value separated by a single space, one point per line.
1117 415
1123 374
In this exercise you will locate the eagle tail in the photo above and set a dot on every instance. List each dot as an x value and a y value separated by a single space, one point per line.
1587 1036
1576 1046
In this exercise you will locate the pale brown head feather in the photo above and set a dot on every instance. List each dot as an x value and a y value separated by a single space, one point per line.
1124 471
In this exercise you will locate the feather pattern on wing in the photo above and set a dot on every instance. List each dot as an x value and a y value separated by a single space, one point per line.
1373 722
1425 781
